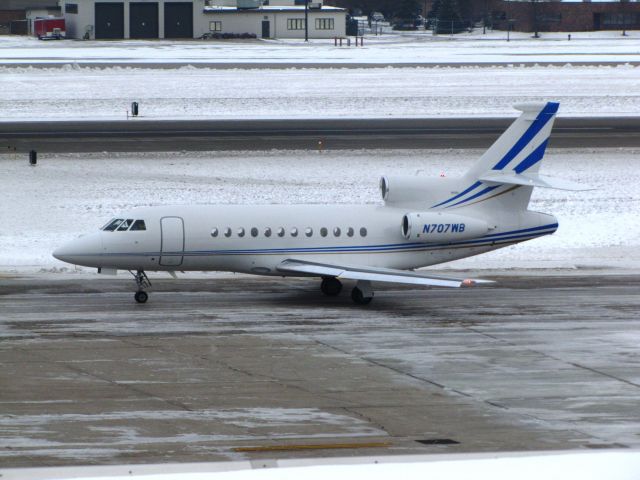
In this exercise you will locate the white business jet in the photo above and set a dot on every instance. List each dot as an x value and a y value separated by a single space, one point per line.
423 221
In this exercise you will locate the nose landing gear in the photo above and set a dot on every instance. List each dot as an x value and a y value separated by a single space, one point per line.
142 281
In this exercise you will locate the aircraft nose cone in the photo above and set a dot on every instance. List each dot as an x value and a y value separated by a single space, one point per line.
80 250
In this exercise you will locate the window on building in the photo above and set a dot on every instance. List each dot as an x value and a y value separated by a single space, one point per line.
215 26
619 20
324 24
70 8
295 23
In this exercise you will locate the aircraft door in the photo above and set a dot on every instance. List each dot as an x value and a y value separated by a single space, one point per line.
172 246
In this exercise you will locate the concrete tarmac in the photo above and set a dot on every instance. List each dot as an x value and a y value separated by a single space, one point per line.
236 367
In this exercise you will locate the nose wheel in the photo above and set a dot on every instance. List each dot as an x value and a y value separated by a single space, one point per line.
142 281
141 297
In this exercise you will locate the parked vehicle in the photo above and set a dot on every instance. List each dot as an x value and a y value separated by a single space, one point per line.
52 28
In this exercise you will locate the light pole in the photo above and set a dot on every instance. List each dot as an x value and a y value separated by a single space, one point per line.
306 20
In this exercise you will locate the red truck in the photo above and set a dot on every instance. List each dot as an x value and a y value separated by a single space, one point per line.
49 28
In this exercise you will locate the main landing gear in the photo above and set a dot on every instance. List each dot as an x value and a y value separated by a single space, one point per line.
142 281
331 286
362 293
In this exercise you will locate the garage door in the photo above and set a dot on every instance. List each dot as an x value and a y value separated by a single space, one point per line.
109 21
178 20
143 20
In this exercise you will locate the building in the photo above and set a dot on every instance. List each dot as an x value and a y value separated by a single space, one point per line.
124 19
14 11
565 16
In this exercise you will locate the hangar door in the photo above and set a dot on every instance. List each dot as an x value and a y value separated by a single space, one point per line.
109 21
178 20
143 20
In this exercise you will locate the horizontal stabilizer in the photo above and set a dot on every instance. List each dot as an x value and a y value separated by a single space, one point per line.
531 180
373 274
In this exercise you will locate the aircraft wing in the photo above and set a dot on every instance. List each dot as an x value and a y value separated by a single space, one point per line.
373 274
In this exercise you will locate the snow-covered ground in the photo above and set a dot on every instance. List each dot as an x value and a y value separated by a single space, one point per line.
320 80
192 93
420 47
67 195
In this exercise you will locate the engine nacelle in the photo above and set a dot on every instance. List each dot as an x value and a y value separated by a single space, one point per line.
412 189
440 227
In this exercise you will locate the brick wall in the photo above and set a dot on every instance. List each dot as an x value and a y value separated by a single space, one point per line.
565 16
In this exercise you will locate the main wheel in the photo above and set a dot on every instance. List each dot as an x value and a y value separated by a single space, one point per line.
331 286
141 297
358 297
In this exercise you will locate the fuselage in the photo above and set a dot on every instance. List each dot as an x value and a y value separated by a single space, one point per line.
256 238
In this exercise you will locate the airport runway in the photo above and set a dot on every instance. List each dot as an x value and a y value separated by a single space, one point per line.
235 367
141 134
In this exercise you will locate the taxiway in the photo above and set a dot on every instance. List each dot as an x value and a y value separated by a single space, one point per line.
234 368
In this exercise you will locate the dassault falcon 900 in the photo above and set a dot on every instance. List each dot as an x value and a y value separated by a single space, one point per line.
422 222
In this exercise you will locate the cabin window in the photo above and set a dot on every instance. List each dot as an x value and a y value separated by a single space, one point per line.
254 232
323 232
241 232
214 232
336 232
113 225
308 231
227 232
363 232
350 232
267 232
280 231
294 232
138 226
124 226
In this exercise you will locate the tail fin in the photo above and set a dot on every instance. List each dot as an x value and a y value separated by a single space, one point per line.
521 147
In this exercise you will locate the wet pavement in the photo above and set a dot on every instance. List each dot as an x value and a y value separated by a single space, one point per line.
235 367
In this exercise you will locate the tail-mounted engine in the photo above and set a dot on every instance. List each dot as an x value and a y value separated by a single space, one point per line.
411 189
441 227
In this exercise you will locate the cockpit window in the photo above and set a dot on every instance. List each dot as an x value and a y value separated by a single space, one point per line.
113 225
138 225
107 224
124 226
